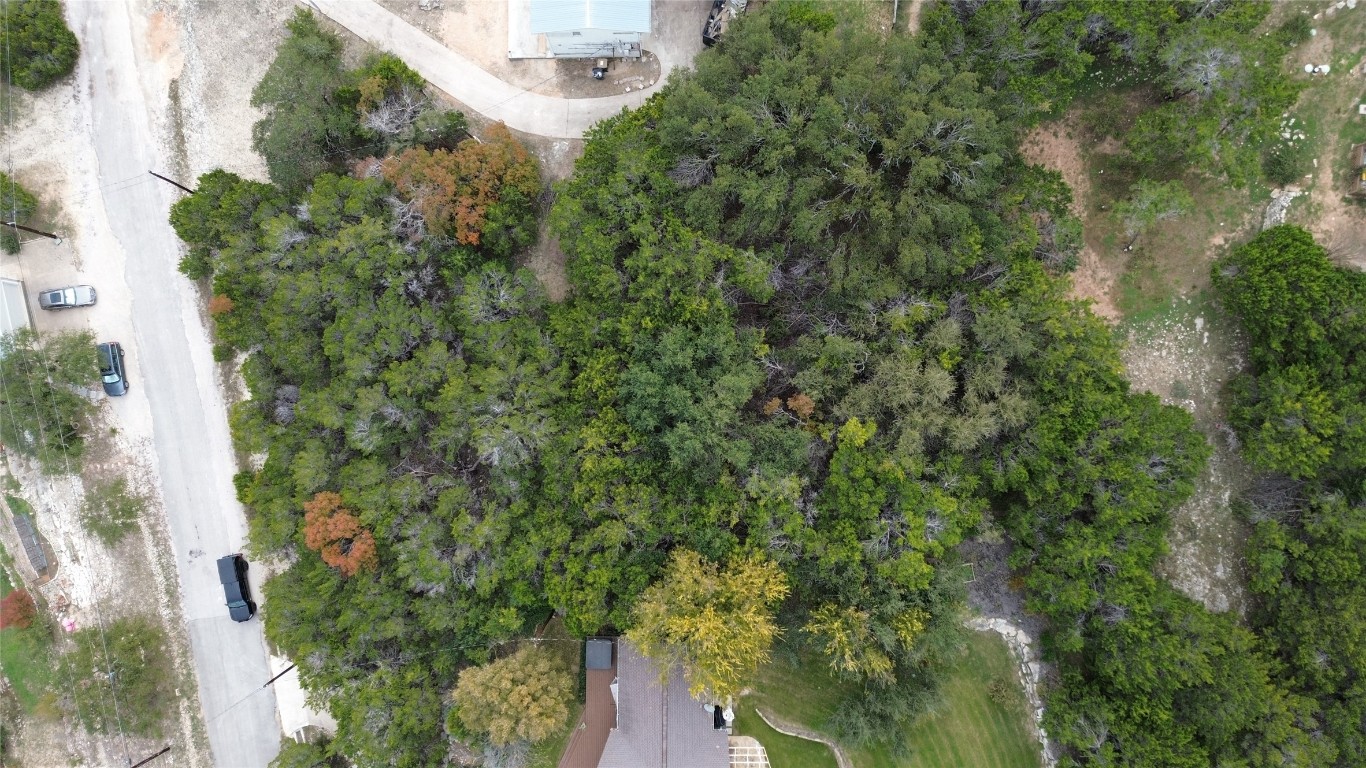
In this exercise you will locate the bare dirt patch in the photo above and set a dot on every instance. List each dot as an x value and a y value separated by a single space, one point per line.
1059 149
1186 356
1330 105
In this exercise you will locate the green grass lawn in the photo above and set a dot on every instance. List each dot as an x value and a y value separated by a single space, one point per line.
783 751
971 730
967 730
26 662
25 654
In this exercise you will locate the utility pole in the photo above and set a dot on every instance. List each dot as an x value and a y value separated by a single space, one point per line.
172 181
147 760
18 226
277 677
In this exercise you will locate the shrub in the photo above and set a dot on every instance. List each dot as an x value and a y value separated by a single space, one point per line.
1286 162
1294 30
16 204
111 511
223 353
18 610
42 49
129 665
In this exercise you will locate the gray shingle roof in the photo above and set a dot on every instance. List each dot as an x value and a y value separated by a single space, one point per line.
659 727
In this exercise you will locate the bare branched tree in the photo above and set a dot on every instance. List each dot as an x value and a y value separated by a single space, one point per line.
692 171
409 224
397 111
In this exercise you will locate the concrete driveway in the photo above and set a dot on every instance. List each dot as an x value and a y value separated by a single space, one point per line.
676 39
132 255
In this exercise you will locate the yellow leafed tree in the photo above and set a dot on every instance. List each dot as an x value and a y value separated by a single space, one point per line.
716 622
522 697
853 645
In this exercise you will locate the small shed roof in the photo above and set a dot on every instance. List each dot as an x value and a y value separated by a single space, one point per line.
572 15
599 654
28 536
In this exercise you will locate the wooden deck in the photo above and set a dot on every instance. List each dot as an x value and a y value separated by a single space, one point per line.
599 715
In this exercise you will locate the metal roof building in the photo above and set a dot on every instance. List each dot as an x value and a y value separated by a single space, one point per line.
13 306
591 28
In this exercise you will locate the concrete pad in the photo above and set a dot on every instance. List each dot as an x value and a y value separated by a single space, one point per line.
522 42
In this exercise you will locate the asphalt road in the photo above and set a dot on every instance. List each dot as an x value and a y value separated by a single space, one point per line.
171 353
677 37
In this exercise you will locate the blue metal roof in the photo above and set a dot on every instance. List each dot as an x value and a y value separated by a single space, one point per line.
571 15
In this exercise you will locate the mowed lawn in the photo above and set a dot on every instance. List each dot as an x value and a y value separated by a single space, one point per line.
783 751
967 730
970 730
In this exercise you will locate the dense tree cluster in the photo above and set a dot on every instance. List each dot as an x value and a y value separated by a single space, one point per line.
814 339
39 47
1301 412
1216 80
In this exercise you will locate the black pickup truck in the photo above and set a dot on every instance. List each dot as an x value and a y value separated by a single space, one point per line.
232 572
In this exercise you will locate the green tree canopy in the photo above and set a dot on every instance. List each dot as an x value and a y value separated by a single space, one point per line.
39 47
45 416
310 119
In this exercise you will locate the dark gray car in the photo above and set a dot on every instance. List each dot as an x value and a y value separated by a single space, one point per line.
112 372
232 572
66 298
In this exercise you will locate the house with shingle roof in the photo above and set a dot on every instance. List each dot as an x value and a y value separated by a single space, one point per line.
660 726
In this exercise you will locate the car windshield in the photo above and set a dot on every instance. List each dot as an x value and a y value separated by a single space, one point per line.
54 297
110 378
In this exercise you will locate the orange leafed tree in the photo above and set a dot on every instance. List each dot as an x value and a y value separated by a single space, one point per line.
336 534
17 610
220 304
454 190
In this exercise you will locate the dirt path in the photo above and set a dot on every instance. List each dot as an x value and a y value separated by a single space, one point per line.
1338 223
1057 149
913 9
1187 361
